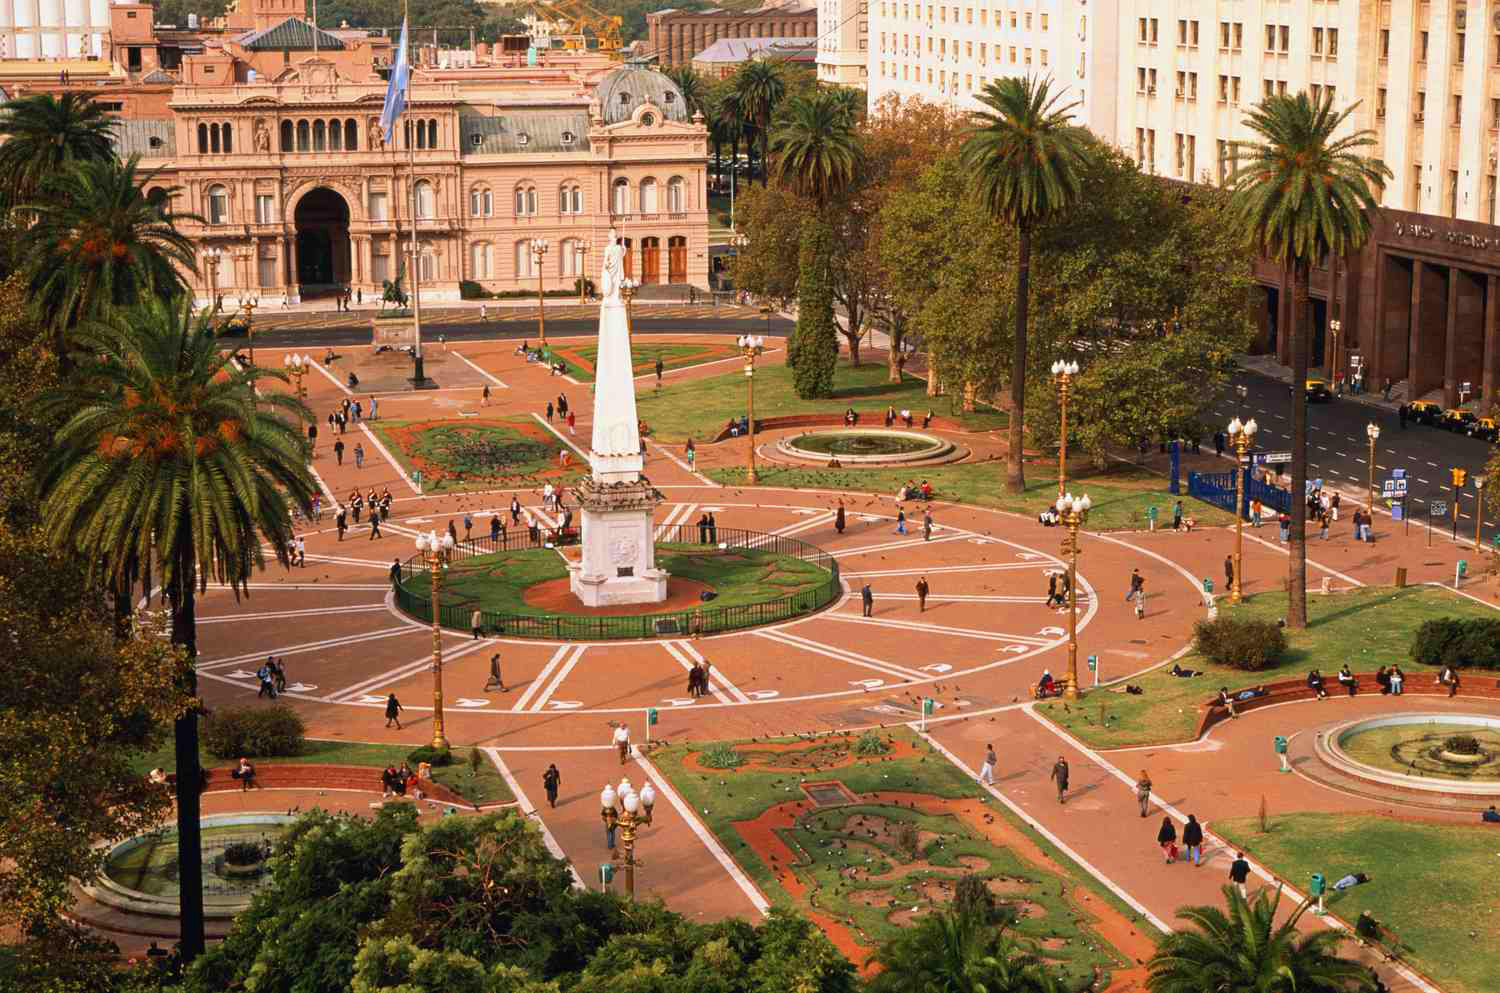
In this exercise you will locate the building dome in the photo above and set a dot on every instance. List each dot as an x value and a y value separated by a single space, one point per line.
623 91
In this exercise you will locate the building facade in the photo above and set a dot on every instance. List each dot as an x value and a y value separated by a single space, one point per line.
724 57
948 52
270 137
52 29
844 42
674 37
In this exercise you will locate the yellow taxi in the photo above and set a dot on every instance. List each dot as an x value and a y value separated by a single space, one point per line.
1318 391
1458 420
1423 412
1485 428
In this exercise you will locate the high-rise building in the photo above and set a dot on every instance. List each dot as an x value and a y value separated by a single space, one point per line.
843 42
947 52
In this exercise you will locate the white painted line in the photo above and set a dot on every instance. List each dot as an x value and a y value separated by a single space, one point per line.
333 501
806 524
941 629
674 649
715 675
1316 565
843 655
1040 563
681 464
332 378
391 459
562 674
276 614
347 560
312 646
561 437
709 841
679 513
465 360
528 810
410 668
891 546
541 677
1057 842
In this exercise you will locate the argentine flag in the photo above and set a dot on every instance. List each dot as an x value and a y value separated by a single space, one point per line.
395 91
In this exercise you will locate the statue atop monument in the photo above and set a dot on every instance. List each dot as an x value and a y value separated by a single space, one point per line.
613 273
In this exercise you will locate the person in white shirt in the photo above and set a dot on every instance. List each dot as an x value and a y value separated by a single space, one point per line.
622 742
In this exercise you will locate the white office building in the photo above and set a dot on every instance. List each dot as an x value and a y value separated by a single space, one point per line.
843 42
52 29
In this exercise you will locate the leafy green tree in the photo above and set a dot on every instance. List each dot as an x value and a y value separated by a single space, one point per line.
1305 192
814 349
1243 947
1025 156
43 134
100 244
950 952
761 87
171 461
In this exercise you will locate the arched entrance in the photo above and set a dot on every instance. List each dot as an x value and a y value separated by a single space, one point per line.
322 220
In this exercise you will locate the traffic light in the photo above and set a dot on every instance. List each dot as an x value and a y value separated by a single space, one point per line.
1459 477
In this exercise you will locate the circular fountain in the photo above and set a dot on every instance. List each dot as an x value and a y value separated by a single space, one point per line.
1454 757
869 447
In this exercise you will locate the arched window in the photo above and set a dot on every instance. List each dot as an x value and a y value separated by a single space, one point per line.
218 205
524 260
427 266
619 202
426 202
567 257
570 199
203 139
525 201
480 260
320 136
228 137
432 133
304 136
351 135
676 195
481 202
335 136
648 196
286 136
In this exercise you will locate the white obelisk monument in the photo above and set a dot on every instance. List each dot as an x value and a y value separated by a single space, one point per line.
619 555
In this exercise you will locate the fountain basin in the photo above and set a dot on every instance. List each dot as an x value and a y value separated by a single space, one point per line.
1407 751
865 446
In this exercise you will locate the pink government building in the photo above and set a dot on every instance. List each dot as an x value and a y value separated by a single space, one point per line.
269 128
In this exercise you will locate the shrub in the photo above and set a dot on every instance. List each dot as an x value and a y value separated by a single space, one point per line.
243 853
470 290
432 756
815 344
721 756
870 744
1458 642
476 759
252 731
1239 643
1462 744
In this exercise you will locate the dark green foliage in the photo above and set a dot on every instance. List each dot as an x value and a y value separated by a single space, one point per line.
871 743
470 290
430 755
814 341
720 755
1240 644
253 732
244 853
43 134
1458 643
1462 744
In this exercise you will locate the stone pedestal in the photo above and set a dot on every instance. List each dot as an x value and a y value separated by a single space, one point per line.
618 564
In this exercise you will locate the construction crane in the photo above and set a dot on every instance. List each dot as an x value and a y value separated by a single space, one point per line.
581 20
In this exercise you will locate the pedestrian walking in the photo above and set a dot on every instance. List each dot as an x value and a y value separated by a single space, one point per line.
694 673
572 423
867 597
1137 583
987 771
1177 516
278 671
660 368
484 397
549 411
515 510
359 411
393 710
301 551
926 525
1053 597
1143 792
622 742
1166 837
838 518
359 455
338 451
312 437
1255 513
1219 443
496 527
395 572
1060 776
1229 572
372 408
496 680
900 521
1239 873
1140 601
1285 524
551 780
374 525
341 521
713 529
468 526
267 686
922 589
692 454
1192 840
476 623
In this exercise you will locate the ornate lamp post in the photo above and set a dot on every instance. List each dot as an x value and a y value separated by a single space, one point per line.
211 257
1063 372
625 810
539 248
581 248
434 550
1334 327
1479 481
297 366
1239 437
751 345
628 287
1072 511
248 304
1372 431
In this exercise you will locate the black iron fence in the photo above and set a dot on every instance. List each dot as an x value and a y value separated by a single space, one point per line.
414 589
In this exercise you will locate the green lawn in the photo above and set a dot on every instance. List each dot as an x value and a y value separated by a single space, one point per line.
1366 628
1433 885
723 797
699 408
484 789
644 354
1120 494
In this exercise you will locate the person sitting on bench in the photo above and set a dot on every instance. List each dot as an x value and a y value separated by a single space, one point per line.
1259 691
1347 680
1491 816
1046 686
1315 682
850 418
1383 680
1226 701
1449 678
245 773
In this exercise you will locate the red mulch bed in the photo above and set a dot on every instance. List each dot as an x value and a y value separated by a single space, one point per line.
555 596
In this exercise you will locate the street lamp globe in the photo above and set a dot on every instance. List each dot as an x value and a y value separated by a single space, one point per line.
632 803
1372 431
1235 427
607 798
1064 368
624 787
1251 427
648 797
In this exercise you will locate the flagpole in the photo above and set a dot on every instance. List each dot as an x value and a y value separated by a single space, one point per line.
419 378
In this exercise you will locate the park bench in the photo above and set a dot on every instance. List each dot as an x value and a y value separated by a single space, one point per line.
365 779
1473 683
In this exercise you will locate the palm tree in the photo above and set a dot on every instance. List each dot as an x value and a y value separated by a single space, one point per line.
1246 949
814 146
1026 157
169 457
953 952
725 126
851 102
693 88
100 243
44 133
1304 194
761 88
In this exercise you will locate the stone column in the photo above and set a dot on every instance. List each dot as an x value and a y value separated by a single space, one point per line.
1450 344
1491 345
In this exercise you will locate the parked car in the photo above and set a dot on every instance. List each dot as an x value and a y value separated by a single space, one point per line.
1318 391
1458 420
1423 412
1485 429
